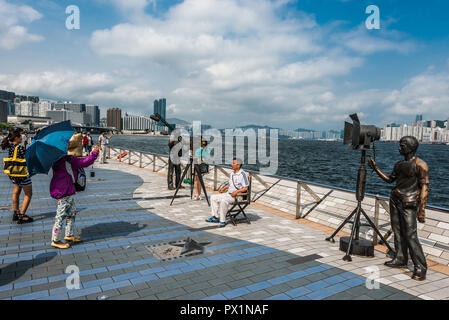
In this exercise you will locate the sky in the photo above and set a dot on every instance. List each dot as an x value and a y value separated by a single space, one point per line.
229 63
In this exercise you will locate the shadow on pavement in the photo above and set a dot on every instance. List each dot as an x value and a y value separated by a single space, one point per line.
110 230
15 270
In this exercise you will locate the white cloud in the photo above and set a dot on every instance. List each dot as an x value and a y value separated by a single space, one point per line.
106 89
426 93
365 41
12 33
226 62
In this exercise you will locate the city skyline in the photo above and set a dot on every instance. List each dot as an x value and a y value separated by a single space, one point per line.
279 63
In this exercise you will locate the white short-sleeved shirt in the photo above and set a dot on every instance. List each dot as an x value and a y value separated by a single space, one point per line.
238 181
102 140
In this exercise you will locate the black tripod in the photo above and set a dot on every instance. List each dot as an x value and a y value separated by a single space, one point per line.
194 170
354 244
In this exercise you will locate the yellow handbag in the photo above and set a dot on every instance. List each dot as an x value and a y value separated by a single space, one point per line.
14 167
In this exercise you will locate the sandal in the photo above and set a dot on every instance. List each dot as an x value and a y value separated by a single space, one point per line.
15 216
23 218
73 239
60 245
213 220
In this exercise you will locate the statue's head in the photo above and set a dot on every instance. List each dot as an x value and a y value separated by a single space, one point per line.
408 145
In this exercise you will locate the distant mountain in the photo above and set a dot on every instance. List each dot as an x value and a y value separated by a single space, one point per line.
304 130
177 121
255 126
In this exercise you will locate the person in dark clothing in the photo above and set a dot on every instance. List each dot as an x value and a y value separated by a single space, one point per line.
407 204
174 167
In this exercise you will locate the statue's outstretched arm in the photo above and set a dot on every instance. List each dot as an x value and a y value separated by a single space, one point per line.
387 178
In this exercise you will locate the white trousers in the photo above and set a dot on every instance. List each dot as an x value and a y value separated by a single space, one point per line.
103 152
220 204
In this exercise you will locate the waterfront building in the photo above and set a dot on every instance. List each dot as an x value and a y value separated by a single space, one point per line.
7 96
20 99
44 106
423 133
94 114
32 122
4 111
77 118
160 107
75 107
418 117
156 107
114 118
138 123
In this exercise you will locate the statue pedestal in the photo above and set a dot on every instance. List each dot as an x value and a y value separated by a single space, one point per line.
360 247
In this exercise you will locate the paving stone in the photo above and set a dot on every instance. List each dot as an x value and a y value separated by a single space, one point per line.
126 232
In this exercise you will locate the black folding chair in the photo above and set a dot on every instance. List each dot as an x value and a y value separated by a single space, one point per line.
239 206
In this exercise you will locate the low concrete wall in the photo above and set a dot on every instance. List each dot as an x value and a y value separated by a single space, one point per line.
434 234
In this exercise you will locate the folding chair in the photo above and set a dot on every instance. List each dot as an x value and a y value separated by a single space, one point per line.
239 207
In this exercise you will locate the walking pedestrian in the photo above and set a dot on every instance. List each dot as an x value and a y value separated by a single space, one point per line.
16 151
62 188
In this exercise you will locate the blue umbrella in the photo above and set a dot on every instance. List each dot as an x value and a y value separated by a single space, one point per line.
49 145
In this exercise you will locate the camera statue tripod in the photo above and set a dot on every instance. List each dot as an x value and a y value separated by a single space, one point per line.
354 244
361 137
194 170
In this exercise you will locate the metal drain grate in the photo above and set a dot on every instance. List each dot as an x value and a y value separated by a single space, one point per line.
168 251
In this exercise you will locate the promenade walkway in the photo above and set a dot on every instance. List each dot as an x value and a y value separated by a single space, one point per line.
126 209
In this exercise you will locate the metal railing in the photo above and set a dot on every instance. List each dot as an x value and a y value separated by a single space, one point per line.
126 156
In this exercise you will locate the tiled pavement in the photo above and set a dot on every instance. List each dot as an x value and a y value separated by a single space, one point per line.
257 261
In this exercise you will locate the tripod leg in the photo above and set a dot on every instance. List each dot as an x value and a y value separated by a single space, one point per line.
347 257
200 177
192 178
376 230
331 238
180 182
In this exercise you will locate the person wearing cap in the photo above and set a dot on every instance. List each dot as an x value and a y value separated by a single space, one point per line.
220 203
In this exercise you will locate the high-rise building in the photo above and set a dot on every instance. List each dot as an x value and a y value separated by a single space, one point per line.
44 106
163 108
418 118
160 106
94 113
27 108
137 123
7 96
19 99
75 107
77 118
4 111
114 118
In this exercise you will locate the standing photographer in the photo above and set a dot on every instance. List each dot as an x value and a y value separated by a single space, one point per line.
174 167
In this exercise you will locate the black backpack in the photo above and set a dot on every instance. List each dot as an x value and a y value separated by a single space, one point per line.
80 181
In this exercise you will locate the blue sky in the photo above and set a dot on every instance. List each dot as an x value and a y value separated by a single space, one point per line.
289 64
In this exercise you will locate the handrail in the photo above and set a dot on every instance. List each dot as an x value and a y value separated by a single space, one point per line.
316 184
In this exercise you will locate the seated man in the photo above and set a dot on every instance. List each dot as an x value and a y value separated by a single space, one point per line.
220 203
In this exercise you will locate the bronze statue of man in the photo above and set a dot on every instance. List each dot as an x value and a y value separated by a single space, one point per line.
407 204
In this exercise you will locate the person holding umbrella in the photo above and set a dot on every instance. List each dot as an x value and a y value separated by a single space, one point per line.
20 180
56 147
62 188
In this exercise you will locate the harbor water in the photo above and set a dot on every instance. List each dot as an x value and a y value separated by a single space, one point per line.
330 163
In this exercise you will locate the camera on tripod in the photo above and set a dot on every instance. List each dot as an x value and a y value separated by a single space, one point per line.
361 137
